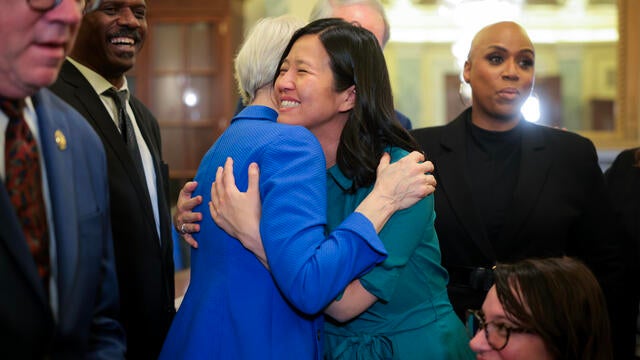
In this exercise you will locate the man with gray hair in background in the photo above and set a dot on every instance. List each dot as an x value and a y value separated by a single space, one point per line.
369 14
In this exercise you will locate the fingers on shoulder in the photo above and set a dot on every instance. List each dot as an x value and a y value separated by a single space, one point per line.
416 156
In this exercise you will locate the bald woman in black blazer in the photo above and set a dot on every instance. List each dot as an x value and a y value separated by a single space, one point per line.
509 189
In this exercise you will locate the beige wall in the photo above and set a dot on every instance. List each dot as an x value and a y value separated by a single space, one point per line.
256 9
418 70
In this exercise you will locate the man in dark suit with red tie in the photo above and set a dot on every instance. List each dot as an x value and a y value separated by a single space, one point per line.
92 80
57 273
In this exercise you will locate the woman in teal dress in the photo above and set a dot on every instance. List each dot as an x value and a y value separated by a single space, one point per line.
399 310
411 316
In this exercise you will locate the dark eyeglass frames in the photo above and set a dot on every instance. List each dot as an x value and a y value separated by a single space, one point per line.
497 334
46 5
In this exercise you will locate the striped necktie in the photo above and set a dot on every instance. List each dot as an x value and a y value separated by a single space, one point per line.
127 130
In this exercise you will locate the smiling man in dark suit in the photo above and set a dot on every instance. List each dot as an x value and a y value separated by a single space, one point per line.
92 80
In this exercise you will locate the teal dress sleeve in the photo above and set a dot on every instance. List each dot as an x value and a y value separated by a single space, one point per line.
402 234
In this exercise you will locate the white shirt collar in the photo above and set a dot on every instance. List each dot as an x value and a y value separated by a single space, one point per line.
97 81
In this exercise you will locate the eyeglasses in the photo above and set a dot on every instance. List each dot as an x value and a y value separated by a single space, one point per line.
497 334
46 5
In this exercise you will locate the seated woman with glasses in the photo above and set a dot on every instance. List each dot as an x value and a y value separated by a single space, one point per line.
542 309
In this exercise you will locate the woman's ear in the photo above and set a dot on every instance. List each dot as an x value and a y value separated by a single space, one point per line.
350 97
466 72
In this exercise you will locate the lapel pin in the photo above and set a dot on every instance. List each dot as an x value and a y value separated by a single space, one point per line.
61 140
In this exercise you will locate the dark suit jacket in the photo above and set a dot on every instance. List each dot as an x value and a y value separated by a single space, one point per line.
559 205
144 263
87 325
623 183
404 120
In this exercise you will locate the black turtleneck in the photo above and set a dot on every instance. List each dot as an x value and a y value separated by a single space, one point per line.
493 160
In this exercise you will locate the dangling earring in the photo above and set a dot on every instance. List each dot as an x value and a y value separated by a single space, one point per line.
464 93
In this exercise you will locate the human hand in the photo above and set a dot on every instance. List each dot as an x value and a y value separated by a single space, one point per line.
406 181
238 213
184 219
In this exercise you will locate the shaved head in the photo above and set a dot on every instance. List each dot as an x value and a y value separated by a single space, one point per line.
501 31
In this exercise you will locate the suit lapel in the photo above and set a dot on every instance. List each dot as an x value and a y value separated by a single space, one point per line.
534 167
95 112
451 168
145 130
59 165
635 199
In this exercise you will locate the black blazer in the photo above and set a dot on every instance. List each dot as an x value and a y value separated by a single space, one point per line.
559 205
623 183
87 324
144 263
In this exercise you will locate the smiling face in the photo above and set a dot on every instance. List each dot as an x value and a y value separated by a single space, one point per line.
111 37
306 92
500 70
521 346
34 45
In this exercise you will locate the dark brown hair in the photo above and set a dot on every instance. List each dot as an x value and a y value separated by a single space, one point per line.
356 59
560 300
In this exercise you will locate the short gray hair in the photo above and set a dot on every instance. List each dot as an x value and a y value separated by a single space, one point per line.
324 9
257 61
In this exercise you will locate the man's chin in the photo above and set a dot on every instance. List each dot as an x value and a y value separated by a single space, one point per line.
122 58
121 64
35 79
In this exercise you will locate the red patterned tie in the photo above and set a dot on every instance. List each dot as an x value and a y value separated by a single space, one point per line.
24 184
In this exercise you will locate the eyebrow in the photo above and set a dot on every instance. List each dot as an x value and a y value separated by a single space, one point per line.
302 62
501 317
122 3
296 62
503 49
